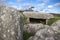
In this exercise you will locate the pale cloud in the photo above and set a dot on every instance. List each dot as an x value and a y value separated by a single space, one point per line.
17 7
50 11
5 0
42 5
50 6
9 4
57 4
21 6
43 1
2 0
46 0
26 4
35 9
14 5
18 0
47 10
39 0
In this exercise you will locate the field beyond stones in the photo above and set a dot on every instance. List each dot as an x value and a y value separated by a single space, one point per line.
56 17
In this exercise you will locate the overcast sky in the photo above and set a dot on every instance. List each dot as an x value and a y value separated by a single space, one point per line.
51 6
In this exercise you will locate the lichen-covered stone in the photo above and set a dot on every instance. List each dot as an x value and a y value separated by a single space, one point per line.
57 23
32 28
38 15
49 33
10 24
44 34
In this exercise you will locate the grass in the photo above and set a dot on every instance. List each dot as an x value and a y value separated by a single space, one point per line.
26 35
25 19
56 17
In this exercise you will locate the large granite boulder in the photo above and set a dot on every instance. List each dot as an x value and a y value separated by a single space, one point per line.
32 28
43 34
10 24
50 33
57 23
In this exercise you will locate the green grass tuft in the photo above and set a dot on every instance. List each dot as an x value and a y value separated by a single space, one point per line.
27 35
56 17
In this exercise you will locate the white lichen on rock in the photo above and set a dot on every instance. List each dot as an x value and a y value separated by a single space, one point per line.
10 23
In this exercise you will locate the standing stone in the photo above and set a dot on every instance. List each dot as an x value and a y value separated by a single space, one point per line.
10 26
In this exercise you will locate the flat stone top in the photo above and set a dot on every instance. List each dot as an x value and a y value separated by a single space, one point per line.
32 14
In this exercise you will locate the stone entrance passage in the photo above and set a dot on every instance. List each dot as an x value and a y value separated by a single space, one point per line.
36 20
37 17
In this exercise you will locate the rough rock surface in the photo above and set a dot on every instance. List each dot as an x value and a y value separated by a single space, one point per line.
10 24
38 15
33 27
57 23
50 33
